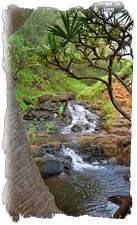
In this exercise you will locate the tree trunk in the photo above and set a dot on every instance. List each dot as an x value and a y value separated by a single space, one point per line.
25 192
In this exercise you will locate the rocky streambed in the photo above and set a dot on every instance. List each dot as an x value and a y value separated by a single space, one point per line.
81 164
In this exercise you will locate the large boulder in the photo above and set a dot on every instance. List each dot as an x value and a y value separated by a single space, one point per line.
63 97
48 166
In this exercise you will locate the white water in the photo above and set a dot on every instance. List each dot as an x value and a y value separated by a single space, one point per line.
81 117
77 161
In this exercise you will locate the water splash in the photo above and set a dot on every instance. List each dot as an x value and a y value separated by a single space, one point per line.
83 119
77 161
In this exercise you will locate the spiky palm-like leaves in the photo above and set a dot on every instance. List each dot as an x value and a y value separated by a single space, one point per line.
71 27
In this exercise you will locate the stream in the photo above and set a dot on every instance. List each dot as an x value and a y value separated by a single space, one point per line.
84 190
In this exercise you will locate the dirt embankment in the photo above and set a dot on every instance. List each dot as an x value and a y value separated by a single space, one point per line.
117 139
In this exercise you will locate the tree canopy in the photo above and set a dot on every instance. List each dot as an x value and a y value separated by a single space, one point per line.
97 37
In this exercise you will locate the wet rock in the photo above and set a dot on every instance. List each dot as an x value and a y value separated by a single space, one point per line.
48 166
104 162
67 163
35 115
45 97
76 128
86 126
125 203
48 111
93 151
96 163
51 148
39 153
127 177
49 106
112 161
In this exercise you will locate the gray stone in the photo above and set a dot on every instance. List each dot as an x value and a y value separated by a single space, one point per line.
112 161
67 163
95 163
105 162
76 128
49 167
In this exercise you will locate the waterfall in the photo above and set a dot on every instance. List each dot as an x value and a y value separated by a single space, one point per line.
83 120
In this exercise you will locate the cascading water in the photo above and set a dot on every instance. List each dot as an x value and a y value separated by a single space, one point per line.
86 122
77 162
82 119
84 190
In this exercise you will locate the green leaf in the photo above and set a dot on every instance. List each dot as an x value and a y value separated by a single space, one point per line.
61 109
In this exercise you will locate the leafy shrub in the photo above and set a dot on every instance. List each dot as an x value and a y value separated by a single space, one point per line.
108 113
32 94
49 126
91 93
123 67
61 109
31 133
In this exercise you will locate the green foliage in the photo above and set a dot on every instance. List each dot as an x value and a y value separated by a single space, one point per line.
32 94
124 67
31 133
22 106
71 27
108 113
28 78
32 44
34 30
61 109
71 85
91 93
49 126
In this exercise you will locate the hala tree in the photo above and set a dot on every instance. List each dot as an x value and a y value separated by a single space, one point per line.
98 37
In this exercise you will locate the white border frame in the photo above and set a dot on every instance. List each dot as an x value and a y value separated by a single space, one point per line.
61 219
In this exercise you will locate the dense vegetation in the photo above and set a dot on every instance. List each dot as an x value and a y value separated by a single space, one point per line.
81 51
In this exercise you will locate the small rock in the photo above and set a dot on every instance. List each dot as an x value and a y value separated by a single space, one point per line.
112 161
87 126
76 128
105 162
95 163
